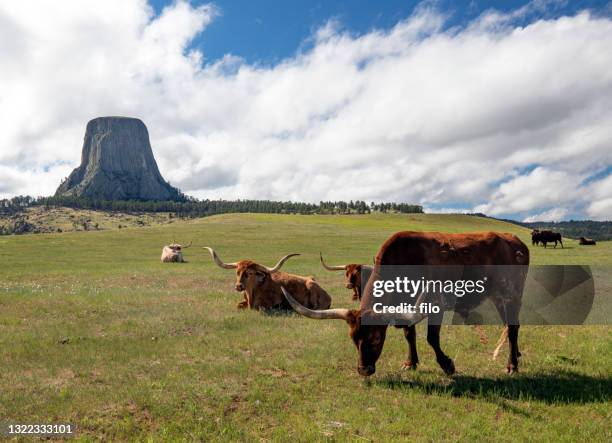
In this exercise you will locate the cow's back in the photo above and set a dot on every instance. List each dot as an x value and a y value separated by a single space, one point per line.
437 248
304 289
168 255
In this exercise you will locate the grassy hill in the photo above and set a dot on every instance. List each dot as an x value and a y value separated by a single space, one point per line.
47 220
95 331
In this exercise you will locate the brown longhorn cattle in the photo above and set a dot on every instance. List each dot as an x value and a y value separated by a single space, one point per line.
261 286
433 248
173 253
587 241
354 274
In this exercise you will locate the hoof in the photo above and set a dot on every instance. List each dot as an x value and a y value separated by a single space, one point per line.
409 366
448 367
511 370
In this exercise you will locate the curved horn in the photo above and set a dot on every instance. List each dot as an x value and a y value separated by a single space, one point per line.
184 247
331 268
218 261
281 262
410 319
324 314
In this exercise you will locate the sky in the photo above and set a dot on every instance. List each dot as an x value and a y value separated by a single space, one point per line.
475 106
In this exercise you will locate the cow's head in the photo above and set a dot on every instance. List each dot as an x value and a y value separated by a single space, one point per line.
368 339
249 275
178 247
352 275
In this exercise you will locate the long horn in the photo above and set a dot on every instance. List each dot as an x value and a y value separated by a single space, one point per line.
331 268
218 261
184 247
324 314
281 262
410 319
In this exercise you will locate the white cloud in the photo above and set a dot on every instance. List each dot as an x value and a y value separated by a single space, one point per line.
552 215
417 113
540 188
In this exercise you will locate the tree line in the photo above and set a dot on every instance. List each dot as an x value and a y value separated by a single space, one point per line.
192 207
599 230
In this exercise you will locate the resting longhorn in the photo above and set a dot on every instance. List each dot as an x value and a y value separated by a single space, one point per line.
172 253
354 275
261 286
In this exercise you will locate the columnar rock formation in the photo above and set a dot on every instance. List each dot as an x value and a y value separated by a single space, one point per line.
117 163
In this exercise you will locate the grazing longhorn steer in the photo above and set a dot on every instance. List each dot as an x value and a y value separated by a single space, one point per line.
173 253
587 241
356 274
353 276
434 248
262 285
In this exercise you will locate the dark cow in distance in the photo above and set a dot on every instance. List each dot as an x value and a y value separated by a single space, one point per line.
262 285
545 237
434 248
354 274
587 241
535 237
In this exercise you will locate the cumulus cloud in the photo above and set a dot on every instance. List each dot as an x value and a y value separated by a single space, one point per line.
499 116
552 215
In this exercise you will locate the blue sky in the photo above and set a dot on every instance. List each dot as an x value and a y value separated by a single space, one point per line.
477 106
266 31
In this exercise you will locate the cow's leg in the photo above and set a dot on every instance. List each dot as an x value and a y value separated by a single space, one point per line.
433 338
513 331
560 241
413 358
508 307
245 303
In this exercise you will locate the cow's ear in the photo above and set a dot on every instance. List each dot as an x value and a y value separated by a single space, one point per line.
353 318
261 276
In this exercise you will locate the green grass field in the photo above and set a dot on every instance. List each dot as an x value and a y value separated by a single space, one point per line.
95 331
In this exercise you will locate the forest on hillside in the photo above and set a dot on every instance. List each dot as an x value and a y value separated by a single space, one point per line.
16 221
597 230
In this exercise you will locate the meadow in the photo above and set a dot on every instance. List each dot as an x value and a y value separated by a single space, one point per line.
96 332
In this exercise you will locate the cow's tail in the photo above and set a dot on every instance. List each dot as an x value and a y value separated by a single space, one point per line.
501 342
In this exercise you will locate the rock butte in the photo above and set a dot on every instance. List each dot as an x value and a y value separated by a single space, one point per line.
117 163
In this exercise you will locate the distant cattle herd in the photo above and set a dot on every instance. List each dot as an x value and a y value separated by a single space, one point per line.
544 237
266 288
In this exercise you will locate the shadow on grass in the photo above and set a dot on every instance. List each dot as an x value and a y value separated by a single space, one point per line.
554 249
553 388
278 312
